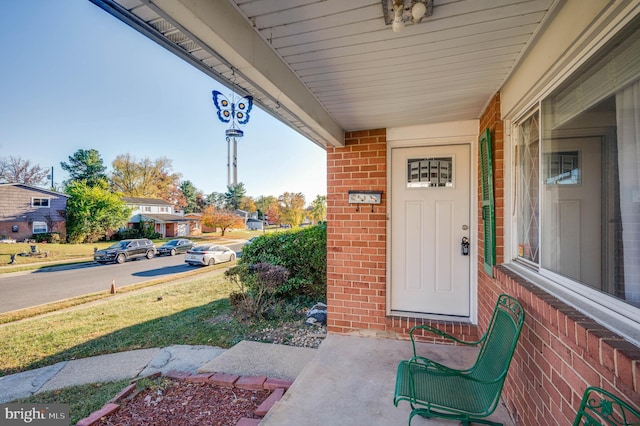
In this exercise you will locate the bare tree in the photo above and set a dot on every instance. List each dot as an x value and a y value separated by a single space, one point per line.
17 170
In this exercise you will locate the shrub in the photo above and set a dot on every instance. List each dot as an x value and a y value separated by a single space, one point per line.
47 237
277 268
257 285
303 252
139 230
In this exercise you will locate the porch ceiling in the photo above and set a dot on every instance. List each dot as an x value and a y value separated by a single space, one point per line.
328 66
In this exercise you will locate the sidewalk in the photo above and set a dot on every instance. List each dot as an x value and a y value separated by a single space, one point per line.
348 380
277 361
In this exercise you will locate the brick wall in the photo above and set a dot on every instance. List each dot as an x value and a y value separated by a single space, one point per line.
560 351
356 240
16 209
356 244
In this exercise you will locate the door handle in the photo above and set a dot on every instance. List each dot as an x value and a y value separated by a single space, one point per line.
465 246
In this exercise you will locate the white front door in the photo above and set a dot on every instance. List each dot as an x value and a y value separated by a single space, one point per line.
430 215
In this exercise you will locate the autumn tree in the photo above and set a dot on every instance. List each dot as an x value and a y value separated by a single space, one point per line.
274 214
291 208
146 178
222 219
247 204
93 211
16 170
85 165
318 209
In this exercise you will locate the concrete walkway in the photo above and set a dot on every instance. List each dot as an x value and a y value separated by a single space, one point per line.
347 381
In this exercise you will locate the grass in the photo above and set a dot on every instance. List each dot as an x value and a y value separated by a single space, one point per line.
82 400
81 300
190 312
56 252
193 312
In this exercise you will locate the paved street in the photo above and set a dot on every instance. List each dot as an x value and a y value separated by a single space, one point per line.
18 291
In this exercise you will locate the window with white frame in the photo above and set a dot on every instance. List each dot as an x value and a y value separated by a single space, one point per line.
39 202
39 227
578 175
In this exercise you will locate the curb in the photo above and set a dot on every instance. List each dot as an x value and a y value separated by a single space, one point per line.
277 387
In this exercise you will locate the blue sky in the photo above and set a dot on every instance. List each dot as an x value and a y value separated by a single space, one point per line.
74 77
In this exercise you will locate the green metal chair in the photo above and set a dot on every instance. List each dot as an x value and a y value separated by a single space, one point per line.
600 407
435 390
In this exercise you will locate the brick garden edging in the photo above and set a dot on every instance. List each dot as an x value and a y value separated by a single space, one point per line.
277 387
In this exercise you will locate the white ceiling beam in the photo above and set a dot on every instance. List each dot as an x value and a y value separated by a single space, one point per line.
218 24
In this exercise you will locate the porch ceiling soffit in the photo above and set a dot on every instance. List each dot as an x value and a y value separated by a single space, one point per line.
325 66
217 39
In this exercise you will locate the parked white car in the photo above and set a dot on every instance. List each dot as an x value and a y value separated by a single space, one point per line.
208 254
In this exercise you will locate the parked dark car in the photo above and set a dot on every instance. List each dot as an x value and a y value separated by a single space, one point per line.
173 247
125 250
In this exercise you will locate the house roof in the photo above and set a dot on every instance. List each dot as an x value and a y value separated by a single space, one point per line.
329 66
146 201
163 218
35 188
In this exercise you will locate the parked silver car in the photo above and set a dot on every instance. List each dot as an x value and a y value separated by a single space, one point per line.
208 254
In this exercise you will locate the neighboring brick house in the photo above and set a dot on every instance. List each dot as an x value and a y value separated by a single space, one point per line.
26 210
162 214
545 150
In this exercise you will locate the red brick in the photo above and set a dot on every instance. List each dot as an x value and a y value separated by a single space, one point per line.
266 405
200 378
223 379
123 393
273 384
95 417
251 382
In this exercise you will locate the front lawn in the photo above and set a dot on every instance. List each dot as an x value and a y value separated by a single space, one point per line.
54 252
194 312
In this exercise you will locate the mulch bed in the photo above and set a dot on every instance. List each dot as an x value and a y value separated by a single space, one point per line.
182 403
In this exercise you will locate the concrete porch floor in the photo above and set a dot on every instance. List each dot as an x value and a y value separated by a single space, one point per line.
351 381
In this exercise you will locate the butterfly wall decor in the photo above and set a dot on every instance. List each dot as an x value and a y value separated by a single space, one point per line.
229 111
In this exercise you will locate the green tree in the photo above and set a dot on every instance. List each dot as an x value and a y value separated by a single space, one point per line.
318 209
216 199
93 211
86 165
193 197
233 196
291 208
